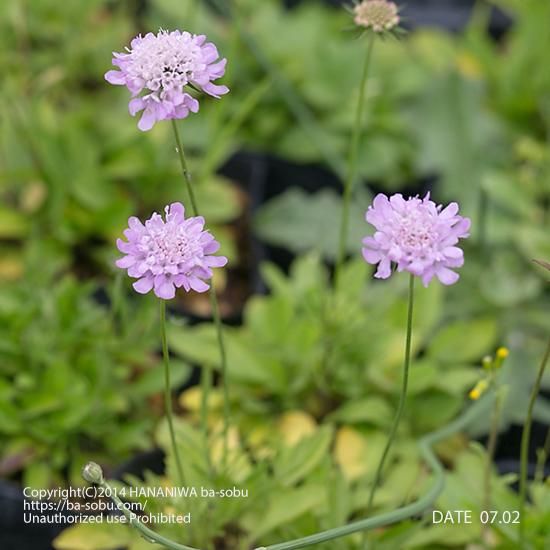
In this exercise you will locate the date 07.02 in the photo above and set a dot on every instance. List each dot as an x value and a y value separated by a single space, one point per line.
467 516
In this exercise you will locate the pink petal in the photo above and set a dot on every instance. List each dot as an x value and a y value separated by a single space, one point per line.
137 104
197 285
126 262
371 256
164 287
449 212
215 261
143 286
123 246
176 212
118 78
147 120
215 90
446 276
384 269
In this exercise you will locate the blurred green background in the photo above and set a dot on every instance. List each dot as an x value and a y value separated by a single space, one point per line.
461 114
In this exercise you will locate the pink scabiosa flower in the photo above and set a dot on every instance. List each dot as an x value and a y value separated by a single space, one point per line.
163 66
378 15
416 234
169 254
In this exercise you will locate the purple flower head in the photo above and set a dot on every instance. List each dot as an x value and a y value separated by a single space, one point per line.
165 255
161 66
416 234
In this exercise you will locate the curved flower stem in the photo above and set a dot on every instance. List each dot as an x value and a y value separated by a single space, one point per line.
402 397
491 447
168 390
525 437
352 159
217 320
469 416
133 520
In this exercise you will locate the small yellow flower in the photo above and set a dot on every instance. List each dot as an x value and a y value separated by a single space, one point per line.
502 353
479 389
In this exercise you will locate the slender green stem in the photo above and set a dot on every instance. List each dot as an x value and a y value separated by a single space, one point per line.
223 361
402 397
215 311
168 390
542 458
206 386
352 158
491 448
472 414
133 520
525 437
185 170
483 208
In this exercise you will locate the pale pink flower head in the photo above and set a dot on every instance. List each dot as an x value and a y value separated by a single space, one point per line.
159 70
378 15
168 254
417 235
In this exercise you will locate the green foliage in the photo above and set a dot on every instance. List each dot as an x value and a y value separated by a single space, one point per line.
70 378
344 353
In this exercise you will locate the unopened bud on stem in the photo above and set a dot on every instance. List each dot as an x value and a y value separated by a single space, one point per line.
92 473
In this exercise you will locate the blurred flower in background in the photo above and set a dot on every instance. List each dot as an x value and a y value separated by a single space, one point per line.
378 15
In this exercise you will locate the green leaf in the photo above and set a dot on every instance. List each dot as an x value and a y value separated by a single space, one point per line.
299 221
152 380
285 506
38 475
457 380
199 344
464 341
13 225
87 536
294 463
422 410
374 410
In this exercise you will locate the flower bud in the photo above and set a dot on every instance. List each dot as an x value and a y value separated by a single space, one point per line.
501 354
378 15
92 473
479 390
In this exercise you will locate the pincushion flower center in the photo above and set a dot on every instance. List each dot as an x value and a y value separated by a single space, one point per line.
165 61
169 248
415 232
378 14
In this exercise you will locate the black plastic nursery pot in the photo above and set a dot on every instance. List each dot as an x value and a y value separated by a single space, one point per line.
15 531
248 171
509 447
452 15
282 175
